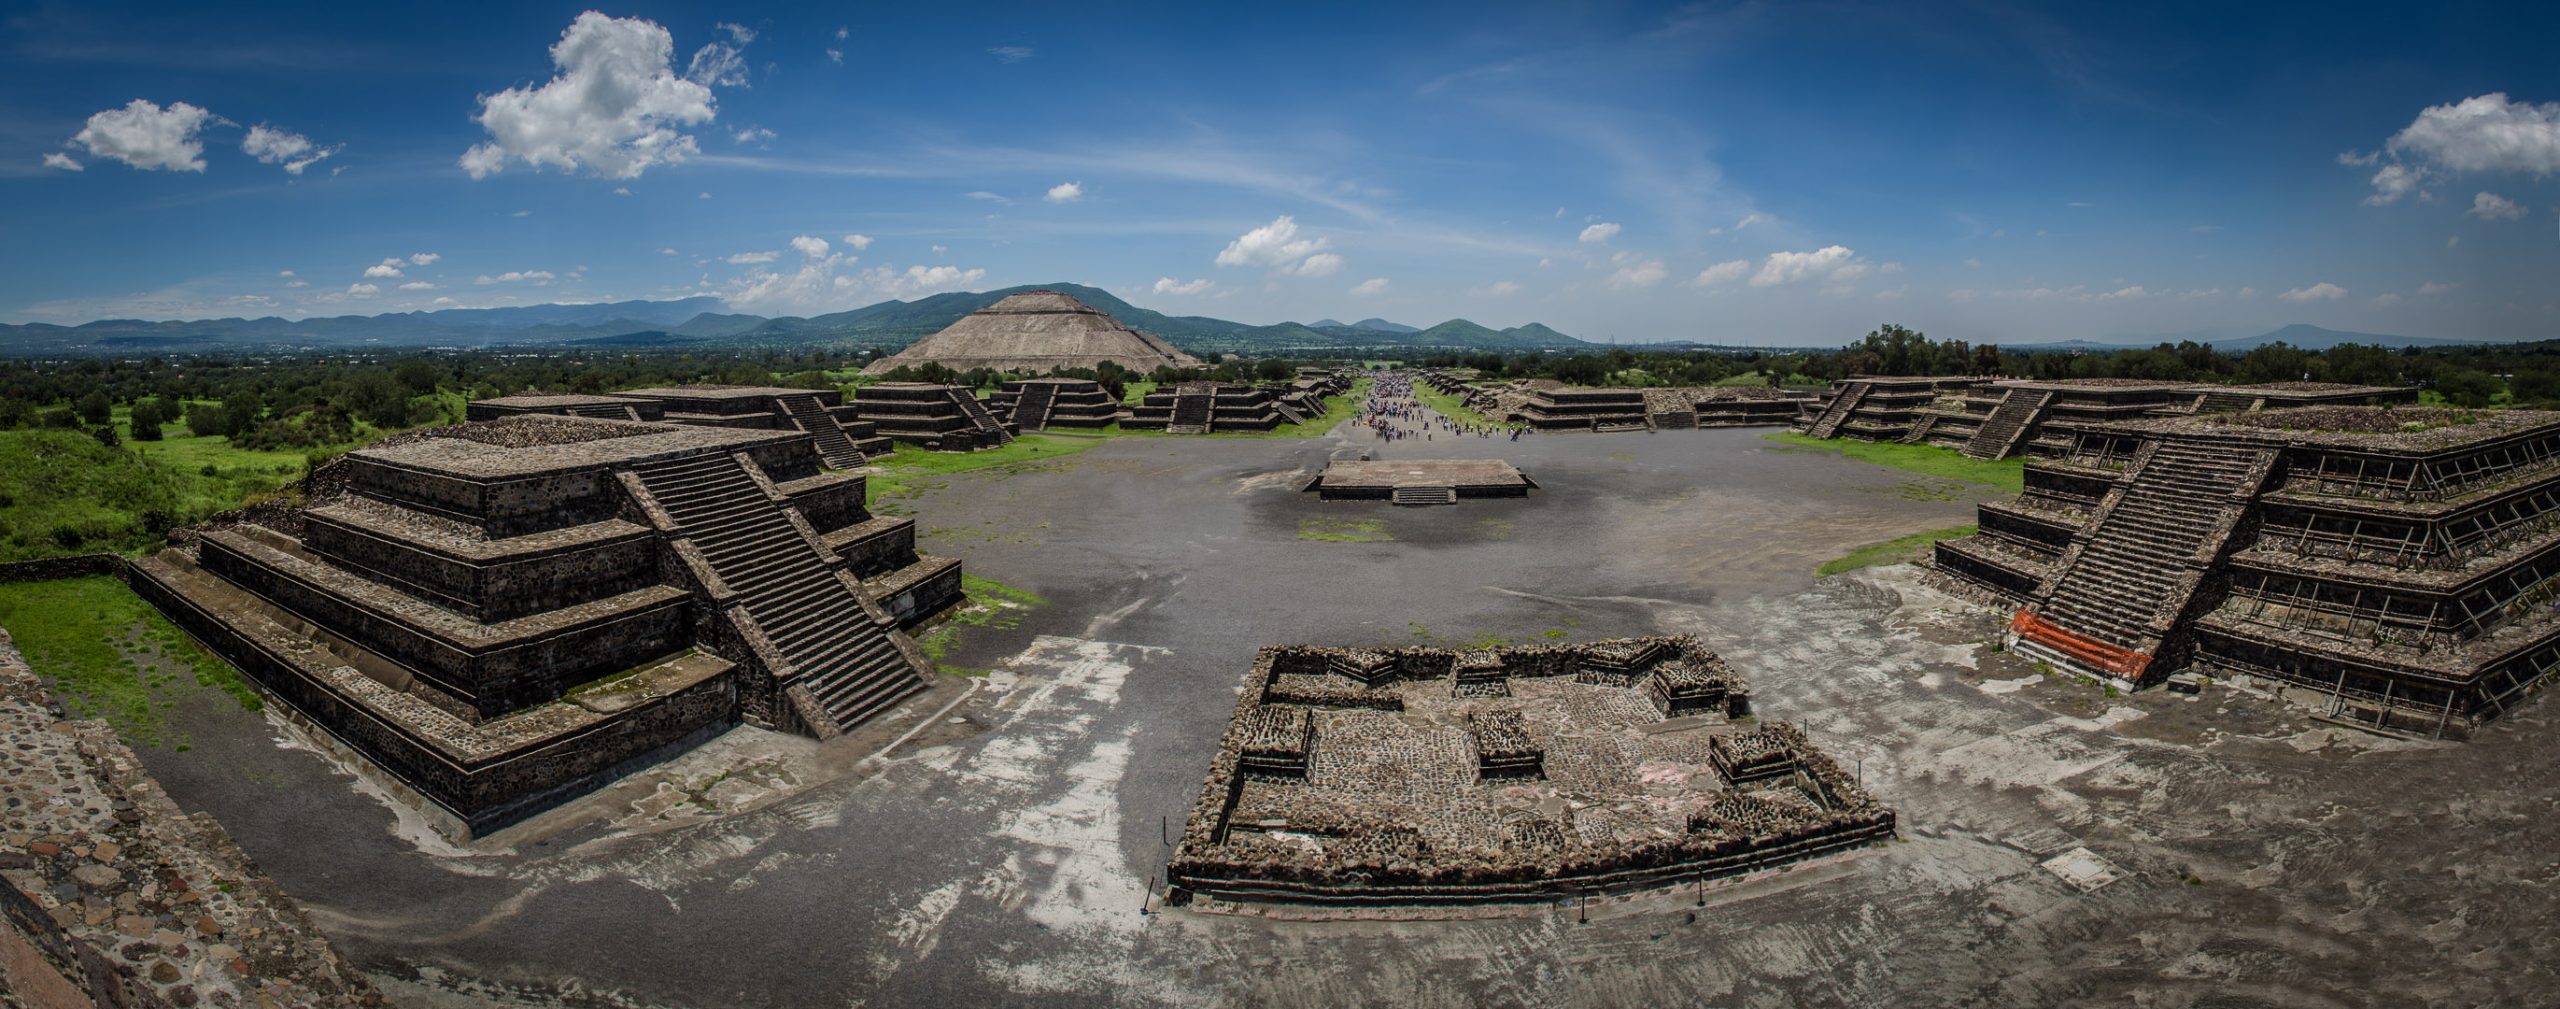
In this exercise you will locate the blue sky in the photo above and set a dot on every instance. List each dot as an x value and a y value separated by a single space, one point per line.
1739 173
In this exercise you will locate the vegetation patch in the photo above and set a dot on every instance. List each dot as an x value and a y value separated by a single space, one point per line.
1450 406
911 470
2008 475
992 604
109 655
1892 551
1324 530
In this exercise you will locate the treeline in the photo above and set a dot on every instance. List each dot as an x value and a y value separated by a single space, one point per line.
2524 374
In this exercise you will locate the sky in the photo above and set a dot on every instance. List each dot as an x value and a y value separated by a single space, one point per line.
1791 174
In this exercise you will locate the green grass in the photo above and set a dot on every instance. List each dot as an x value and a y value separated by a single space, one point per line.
1793 381
1344 530
63 493
910 470
1135 391
1927 460
992 604
1892 551
1452 407
109 655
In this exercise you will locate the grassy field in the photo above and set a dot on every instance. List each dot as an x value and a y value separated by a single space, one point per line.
1452 407
1762 378
109 655
911 469
1928 460
1892 551
63 493
1135 391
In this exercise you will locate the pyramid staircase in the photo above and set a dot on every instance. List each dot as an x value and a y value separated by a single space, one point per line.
1838 412
2120 587
828 642
2225 401
2008 422
1192 412
1919 430
1423 496
833 445
1031 408
985 423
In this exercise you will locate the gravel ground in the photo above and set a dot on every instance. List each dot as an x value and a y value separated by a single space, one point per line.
2258 857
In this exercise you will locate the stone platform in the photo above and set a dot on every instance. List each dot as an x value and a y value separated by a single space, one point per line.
1419 481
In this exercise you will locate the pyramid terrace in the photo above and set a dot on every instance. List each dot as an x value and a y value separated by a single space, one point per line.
2000 419
1419 481
842 439
2397 562
505 614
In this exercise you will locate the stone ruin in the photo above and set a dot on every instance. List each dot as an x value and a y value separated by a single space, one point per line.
843 440
1038 331
1214 407
507 613
1038 404
1418 481
1547 405
1994 419
1430 776
943 418
2399 562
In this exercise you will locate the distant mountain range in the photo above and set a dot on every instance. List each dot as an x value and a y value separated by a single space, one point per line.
2300 335
704 322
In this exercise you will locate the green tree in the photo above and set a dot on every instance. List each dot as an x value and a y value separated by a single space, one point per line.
94 408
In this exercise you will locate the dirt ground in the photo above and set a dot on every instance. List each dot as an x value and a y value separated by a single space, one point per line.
2225 850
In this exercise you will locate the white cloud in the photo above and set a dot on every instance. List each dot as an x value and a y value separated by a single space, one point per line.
2486 134
843 32
2493 207
2392 183
362 290
835 56
1497 289
2132 293
1722 273
722 64
2386 299
1065 192
857 241
2354 159
704 195
1600 232
417 285
2323 291
57 159
1638 272
753 135
828 283
283 147
612 110
146 136
1322 264
515 276
284 273
938 250
1012 54
981 194
2431 289
1889 269
1373 285
744 258
522 213
1790 267
667 250
386 268
1168 285
738 32
1273 244
810 246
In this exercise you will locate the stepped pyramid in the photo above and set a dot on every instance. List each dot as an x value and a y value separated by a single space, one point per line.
1036 332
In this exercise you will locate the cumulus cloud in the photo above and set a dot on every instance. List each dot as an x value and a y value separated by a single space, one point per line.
417 285
745 258
667 250
386 268
146 136
1065 192
1275 244
2392 183
2359 159
828 283
1373 285
1012 54
1637 271
283 147
807 245
1790 267
1600 232
423 258
1168 285
2493 207
536 277
613 109
753 135
1722 273
2485 133
722 64
1322 264
857 241
57 159
2322 291
362 290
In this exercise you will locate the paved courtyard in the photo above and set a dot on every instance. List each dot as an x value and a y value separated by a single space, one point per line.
2060 846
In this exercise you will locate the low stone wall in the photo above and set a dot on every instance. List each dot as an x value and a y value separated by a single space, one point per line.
111 896
50 568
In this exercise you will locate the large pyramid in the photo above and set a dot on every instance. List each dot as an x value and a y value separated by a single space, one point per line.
1036 331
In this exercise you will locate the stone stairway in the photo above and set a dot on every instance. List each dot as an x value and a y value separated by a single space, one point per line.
1192 413
1842 406
2008 422
832 443
814 618
2133 572
1031 407
1919 430
985 422
2223 401
603 412
1423 496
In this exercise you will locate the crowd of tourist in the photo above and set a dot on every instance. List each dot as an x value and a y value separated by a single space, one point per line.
1393 413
